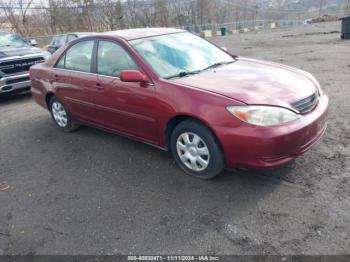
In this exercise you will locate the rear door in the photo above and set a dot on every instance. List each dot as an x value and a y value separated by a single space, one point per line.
76 93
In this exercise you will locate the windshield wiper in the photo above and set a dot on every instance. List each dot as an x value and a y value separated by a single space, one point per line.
183 74
217 65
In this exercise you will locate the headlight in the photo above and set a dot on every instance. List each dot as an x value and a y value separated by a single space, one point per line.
263 115
315 82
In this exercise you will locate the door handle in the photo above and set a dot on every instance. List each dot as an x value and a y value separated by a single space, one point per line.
55 78
99 86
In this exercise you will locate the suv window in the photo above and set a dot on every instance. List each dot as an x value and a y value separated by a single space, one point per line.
112 59
11 40
54 41
71 38
61 40
78 57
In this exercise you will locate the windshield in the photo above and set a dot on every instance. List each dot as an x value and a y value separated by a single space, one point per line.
11 40
179 54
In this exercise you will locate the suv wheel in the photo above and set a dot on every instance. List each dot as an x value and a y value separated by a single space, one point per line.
61 116
196 150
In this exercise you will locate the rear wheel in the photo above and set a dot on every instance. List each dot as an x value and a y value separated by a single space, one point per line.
196 150
61 116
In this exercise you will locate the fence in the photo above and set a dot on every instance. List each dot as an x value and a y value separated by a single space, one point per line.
233 27
241 25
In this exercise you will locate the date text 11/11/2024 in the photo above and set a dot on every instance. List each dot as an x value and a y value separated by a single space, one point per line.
173 258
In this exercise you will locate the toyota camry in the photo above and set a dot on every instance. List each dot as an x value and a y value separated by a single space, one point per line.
176 91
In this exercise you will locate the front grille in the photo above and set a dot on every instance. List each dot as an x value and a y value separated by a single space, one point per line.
6 88
17 80
307 104
20 65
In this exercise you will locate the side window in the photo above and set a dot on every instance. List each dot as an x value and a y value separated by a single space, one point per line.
112 59
78 57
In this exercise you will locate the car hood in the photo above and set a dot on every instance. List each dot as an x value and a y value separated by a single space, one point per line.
21 51
255 82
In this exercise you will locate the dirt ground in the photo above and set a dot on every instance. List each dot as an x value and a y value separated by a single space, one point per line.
92 192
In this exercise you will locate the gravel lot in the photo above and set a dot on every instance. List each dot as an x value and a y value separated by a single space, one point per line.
92 192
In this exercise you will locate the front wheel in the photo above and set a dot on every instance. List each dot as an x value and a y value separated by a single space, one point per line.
196 150
61 116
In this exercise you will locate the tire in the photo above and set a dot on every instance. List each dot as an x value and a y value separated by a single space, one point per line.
60 116
196 150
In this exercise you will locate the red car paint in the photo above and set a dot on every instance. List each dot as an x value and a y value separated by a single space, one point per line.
147 111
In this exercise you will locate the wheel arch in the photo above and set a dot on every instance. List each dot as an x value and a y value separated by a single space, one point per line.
48 97
177 119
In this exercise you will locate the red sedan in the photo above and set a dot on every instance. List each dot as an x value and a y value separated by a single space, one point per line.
176 91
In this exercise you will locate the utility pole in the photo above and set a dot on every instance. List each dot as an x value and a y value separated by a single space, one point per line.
320 10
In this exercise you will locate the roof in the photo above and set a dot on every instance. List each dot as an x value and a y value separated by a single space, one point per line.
76 33
81 33
132 34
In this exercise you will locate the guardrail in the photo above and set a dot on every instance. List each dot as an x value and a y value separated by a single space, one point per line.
244 26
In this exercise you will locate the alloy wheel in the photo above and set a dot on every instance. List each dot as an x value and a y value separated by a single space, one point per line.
59 114
193 151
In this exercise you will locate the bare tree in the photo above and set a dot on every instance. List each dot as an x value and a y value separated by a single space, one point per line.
161 13
132 11
347 8
17 17
111 14
320 9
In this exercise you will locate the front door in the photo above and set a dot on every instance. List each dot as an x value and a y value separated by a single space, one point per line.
124 107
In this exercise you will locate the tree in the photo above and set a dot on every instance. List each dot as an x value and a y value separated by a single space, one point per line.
161 13
112 14
17 17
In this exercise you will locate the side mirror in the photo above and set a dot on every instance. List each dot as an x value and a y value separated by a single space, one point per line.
133 76
224 48
33 42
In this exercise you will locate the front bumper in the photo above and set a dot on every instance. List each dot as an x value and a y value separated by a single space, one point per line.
261 147
14 83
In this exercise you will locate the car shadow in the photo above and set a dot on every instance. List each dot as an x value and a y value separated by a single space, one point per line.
14 98
148 157
155 164
135 160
